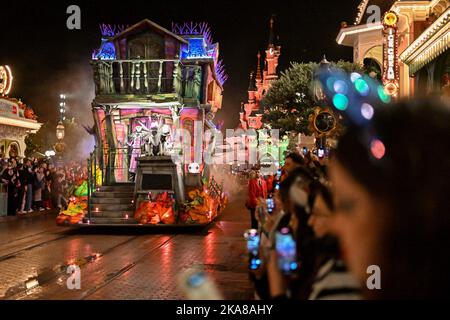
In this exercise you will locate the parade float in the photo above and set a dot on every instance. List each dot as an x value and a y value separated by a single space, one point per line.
155 91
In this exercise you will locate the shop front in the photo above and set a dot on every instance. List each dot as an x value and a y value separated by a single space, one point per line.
17 120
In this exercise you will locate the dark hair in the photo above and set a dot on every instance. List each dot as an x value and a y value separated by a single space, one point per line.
286 184
318 188
412 181
296 158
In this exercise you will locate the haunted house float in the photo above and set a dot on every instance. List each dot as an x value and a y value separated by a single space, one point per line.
149 83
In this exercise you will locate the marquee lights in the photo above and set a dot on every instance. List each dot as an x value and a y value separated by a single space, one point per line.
391 72
6 79
361 9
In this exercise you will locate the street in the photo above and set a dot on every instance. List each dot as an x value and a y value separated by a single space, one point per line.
120 263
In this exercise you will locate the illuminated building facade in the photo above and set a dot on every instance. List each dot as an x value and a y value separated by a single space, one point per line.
17 120
409 44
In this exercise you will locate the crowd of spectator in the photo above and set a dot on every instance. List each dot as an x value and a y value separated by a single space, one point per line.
38 184
370 221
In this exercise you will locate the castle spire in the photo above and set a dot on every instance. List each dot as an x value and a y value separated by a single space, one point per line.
258 70
252 85
271 34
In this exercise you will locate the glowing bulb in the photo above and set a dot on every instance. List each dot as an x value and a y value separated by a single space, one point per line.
330 83
367 111
340 101
377 148
383 95
355 76
362 87
340 87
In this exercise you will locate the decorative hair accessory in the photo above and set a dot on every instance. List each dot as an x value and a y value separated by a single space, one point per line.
356 97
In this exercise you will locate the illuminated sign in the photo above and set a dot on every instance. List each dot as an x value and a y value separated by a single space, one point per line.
6 79
390 53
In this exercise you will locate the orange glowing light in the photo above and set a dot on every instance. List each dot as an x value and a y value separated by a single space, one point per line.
6 79
378 149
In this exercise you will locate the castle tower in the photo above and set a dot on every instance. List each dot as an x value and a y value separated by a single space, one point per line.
273 52
251 113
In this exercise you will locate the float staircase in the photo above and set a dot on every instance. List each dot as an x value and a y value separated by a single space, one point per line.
112 205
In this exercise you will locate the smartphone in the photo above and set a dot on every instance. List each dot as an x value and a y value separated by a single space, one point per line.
270 205
321 153
278 177
253 242
286 248
196 285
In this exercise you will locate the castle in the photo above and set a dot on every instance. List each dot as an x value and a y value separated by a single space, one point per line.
251 113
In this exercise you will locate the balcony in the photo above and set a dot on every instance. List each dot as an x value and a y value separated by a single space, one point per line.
147 78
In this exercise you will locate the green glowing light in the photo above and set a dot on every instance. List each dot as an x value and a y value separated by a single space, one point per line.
362 87
383 95
340 101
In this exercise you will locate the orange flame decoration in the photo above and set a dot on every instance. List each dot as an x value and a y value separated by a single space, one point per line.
202 207
160 210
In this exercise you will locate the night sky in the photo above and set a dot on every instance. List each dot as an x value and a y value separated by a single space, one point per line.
47 58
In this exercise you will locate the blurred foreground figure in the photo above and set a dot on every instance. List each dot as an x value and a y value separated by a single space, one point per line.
391 181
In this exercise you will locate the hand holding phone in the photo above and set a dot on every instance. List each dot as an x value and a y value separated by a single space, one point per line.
253 243
286 248
279 172
270 203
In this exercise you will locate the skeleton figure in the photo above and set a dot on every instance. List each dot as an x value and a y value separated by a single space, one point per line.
166 144
176 114
153 142
134 143
156 139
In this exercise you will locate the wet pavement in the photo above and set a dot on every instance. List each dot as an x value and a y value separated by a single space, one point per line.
120 263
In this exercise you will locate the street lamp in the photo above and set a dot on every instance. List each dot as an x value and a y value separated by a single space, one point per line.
60 131
321 99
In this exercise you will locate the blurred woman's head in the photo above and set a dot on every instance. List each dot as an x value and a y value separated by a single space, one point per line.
298 177
292 162
320 219
394 212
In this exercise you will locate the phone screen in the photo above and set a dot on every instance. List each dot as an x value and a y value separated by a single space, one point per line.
253 241
270 205
278 174
321 153
286 251
196 280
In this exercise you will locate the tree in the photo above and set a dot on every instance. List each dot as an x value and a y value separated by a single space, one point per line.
42 140
290 100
